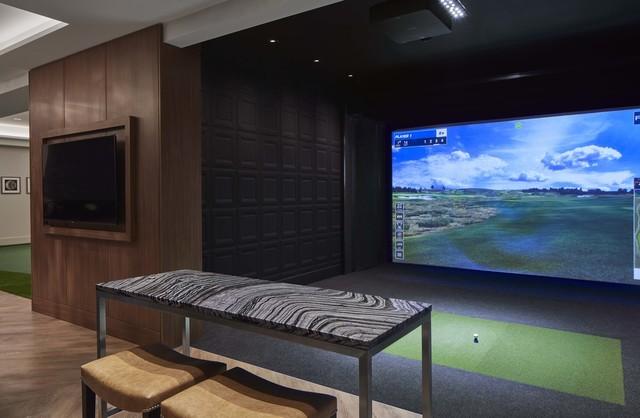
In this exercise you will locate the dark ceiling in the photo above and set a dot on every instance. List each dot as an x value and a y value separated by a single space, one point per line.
499 40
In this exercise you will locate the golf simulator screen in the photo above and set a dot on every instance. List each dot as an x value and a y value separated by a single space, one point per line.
555 196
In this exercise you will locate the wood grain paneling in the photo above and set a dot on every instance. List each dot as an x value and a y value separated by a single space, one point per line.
181 202
46 107
85 87
119 79
181 241
133 89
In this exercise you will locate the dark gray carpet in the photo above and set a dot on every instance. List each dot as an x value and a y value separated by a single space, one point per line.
572 306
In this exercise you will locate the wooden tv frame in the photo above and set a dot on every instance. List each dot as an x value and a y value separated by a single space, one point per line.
123 129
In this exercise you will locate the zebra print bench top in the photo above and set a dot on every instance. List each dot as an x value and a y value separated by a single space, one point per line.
347 318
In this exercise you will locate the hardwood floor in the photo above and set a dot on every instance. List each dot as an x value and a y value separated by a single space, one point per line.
40 360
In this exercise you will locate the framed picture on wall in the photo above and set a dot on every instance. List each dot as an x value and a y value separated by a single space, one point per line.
28 183
10 185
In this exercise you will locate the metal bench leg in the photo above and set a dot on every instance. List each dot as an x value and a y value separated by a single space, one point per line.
154 413
88 402
186 336
427 391
364 387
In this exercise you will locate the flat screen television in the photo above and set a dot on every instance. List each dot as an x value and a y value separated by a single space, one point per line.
555 196
82 184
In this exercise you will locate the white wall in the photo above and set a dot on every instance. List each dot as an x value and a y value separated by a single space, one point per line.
14 208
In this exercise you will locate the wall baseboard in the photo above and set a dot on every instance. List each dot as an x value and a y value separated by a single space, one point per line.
15 240
315 275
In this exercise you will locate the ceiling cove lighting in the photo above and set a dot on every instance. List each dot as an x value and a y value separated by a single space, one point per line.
11 131
15 126
19 27
455 8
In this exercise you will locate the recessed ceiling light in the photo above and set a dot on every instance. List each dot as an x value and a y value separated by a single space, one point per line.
316 60
273 41
455 8
350 75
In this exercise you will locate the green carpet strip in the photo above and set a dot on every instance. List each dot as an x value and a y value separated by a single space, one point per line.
15 258
16 283
569 362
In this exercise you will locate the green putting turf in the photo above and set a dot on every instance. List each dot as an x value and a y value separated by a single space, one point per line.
15 258
16 283
578 364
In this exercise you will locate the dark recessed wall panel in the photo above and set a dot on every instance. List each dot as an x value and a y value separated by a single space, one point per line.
272 177
367 205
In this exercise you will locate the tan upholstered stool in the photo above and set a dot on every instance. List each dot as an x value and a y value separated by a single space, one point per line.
137 380
238 393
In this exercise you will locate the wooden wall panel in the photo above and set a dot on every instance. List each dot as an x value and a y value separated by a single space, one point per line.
133 90
85 87
121 78
46 95
181 241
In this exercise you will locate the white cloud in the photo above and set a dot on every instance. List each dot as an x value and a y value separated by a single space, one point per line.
460 155
455 170
581 157
549 152
529 176
525 148
607 180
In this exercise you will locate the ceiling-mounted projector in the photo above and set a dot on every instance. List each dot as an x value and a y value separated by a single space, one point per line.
412 20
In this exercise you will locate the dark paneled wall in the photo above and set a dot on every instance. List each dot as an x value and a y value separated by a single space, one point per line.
272 177
367 204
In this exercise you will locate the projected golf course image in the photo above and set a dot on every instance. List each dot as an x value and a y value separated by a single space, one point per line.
548 196
636 229
549 235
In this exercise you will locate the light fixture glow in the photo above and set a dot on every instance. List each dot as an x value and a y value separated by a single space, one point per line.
19 27
316 60
13 131
15 126
273 41
350 75
455 8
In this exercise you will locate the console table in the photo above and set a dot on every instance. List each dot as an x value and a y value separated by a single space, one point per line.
349 323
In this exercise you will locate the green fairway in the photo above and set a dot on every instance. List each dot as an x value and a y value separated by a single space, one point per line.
510 231
15 258
578 364
16 283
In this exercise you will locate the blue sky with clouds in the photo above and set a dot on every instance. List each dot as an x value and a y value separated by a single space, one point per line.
590 150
